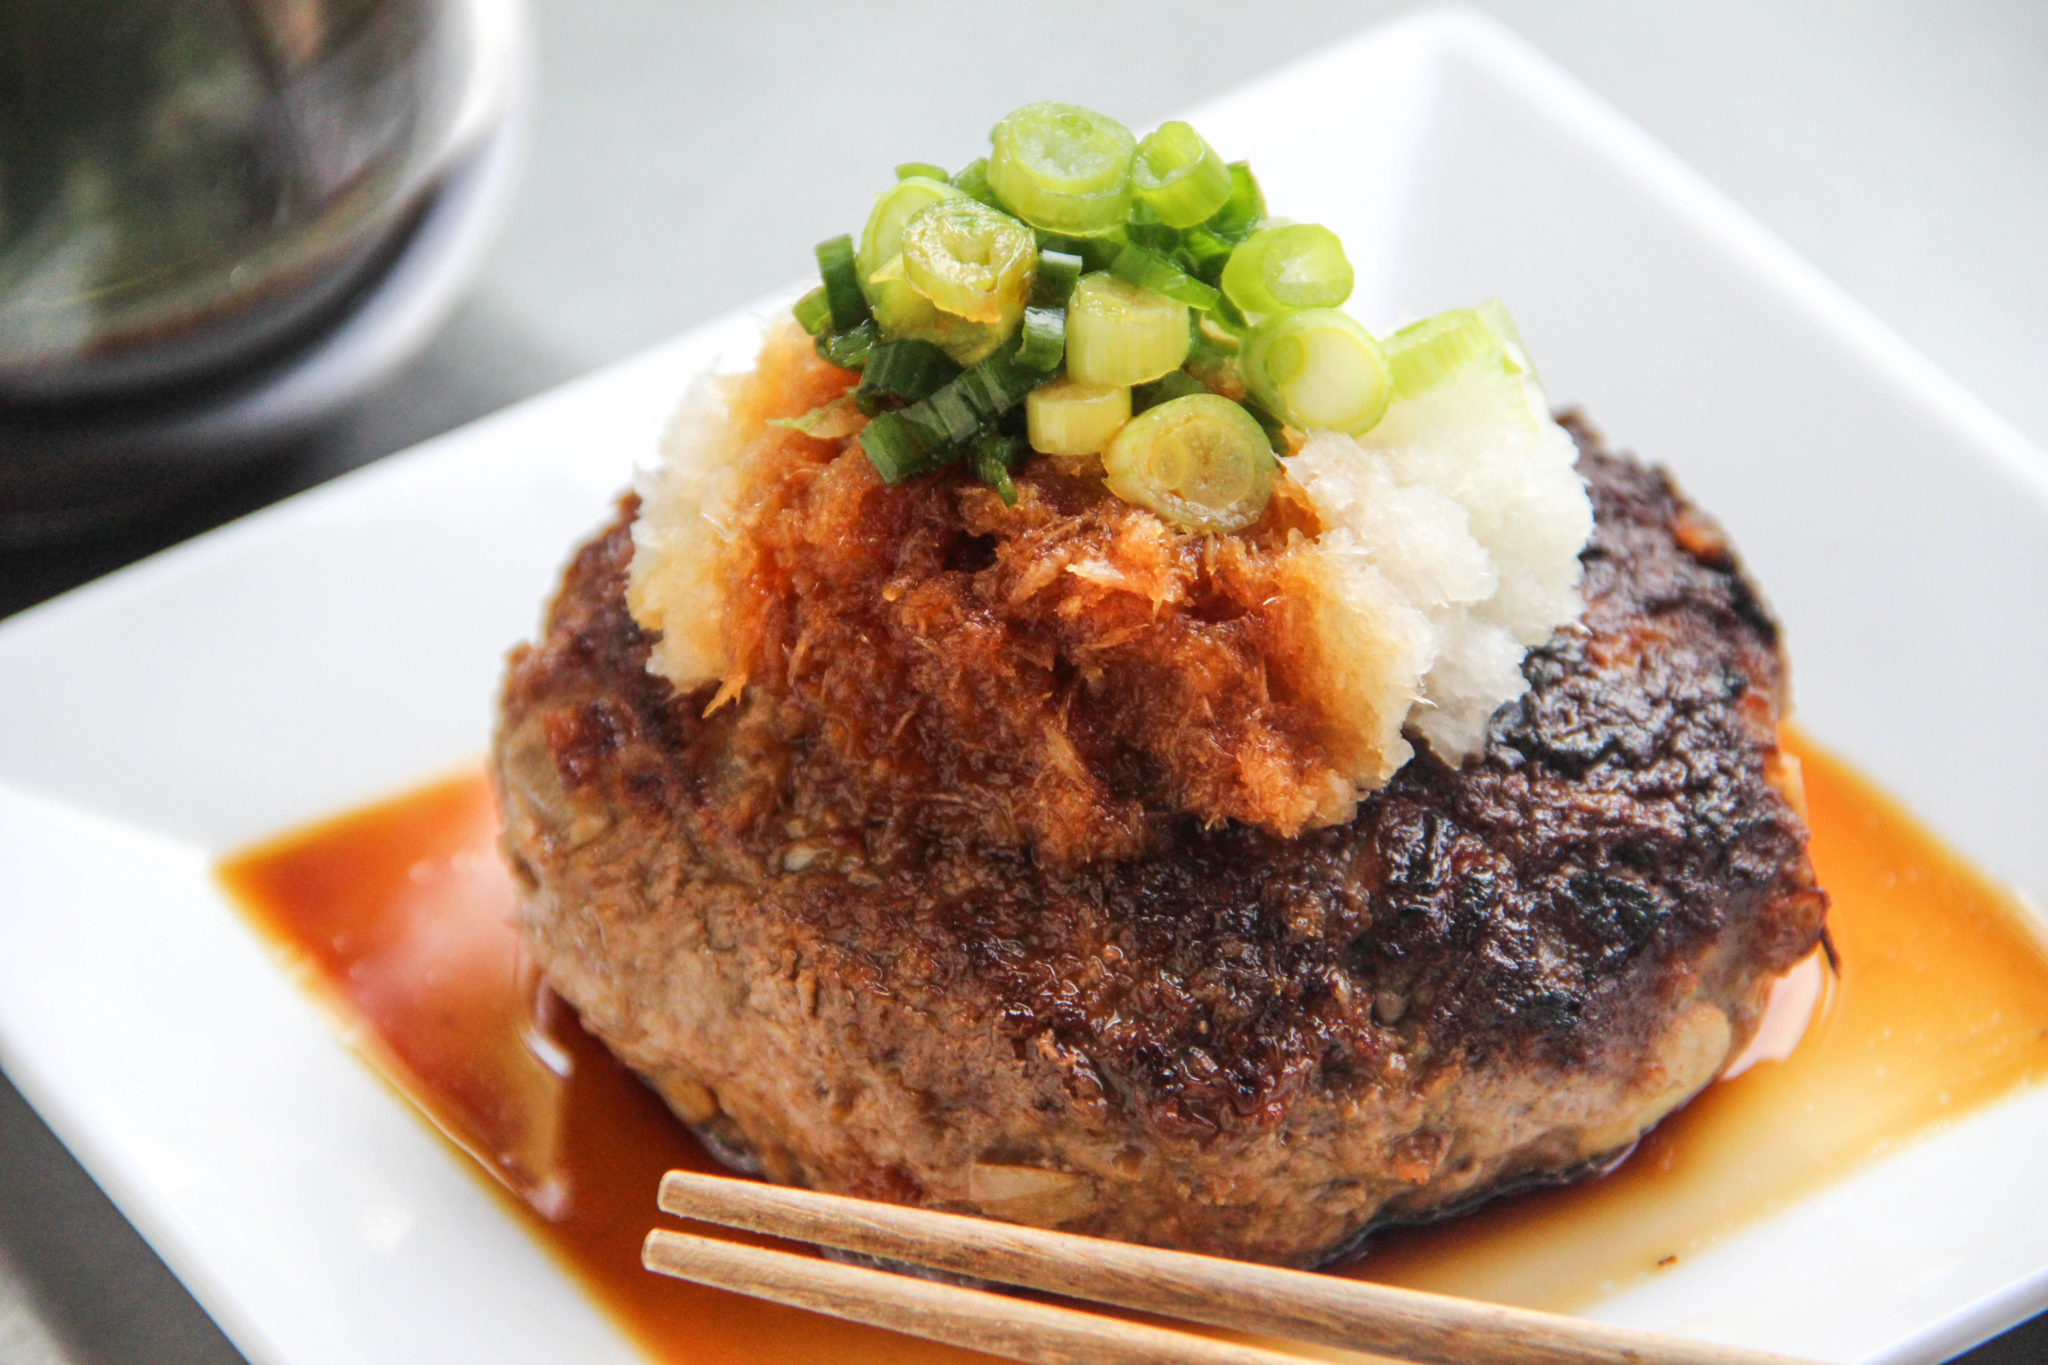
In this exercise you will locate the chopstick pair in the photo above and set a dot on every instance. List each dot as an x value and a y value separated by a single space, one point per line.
1239 1296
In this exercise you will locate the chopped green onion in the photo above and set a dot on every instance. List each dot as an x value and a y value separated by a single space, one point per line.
826 422
995 476
1043 340
1009 448
997 384
950 412
1150 270
902 312
1148 231
1209 343
1095 252
969 259
1515 352
992 459
1275 429
972 181
1279 269
882 239
1218 374
1425 355
1068 418
907 368
1119 334
1076 276
1066 246
1243 210
1318 369
1227 317
1053 281
961 408
1204 253
849 349
842 282
1166 388
1063 168
899 448
1201 462
1497 388
814 311
1179 177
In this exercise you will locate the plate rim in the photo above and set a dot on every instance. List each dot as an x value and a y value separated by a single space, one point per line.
1507 56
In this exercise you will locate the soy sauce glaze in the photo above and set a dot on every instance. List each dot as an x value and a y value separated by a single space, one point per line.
400 917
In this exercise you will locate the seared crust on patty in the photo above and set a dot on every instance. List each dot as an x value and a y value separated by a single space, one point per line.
1232 1042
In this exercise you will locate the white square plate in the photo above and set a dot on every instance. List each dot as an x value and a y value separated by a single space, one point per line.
347 644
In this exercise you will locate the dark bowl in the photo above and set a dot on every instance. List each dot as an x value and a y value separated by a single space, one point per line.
192 191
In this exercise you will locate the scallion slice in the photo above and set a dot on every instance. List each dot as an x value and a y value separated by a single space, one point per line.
1119 334
972 181
1068 418
964 407
1279 269
1515 351
1147 231
995 476
1226 316
1150 270
849 349
1007 448
992 459
1094 253
907 368
1210 344
828 421
1425 355
1063 168
1053 282
1318 370
1166 388
950 412
899 448
1179 177
1275 429
1243 210
814 311
1043 340
969 259
842 282
998 383
882 239
920 168
1203 252
1200 462
903 312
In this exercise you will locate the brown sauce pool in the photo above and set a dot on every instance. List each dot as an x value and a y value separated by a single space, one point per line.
399 917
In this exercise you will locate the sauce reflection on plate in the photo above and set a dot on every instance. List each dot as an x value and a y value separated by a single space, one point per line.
400 916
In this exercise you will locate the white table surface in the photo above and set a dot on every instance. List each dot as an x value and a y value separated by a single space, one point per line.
685 156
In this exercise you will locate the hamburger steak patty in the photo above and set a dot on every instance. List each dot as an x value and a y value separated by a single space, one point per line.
1233 1042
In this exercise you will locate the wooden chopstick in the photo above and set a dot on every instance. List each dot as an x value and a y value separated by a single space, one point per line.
996 1323
1236 1295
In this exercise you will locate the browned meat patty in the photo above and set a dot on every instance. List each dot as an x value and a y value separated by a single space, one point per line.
1231 1042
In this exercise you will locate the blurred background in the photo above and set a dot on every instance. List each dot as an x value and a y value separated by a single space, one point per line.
346 225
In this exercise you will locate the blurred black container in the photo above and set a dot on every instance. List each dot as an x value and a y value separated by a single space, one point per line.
197 199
